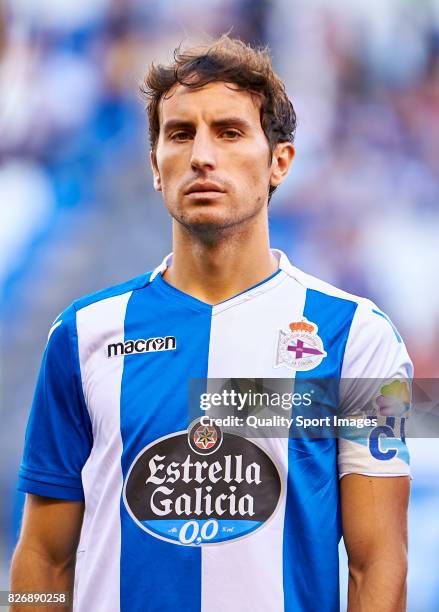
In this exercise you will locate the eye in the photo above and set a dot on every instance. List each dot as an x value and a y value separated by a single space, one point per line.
180 136
231 134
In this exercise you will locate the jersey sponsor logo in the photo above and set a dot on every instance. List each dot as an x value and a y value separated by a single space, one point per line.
300 348
142 345
202 486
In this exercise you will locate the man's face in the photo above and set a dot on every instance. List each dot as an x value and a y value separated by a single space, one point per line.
212 159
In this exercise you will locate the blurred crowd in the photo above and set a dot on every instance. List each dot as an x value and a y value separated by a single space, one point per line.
364 203
360 208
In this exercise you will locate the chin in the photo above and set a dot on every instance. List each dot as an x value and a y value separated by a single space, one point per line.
207 223
207 214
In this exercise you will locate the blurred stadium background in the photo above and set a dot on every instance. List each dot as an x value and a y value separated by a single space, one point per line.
360 208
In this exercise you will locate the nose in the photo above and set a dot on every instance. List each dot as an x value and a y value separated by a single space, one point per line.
203 152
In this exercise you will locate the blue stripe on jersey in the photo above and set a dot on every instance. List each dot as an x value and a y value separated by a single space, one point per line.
157 384
312 488
59 419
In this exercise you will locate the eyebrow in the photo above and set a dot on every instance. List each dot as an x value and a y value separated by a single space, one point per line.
238 122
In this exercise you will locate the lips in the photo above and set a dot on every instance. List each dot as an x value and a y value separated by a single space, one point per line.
203 187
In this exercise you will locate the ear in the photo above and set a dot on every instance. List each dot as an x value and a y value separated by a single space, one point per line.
155 171
281 161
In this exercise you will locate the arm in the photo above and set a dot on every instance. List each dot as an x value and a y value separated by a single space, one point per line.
374 520
44 559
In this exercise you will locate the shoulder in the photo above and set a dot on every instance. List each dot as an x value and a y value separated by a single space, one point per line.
322 289
373 345
111 292
66 319
365 312
313 283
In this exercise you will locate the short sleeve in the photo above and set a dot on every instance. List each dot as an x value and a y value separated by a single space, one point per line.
375 383
59 433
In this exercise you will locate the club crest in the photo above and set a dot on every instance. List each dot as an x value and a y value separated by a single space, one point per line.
300 348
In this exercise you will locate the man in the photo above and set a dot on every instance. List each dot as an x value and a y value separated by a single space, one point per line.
128 498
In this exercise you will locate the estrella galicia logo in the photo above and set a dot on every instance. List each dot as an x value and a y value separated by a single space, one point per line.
202 486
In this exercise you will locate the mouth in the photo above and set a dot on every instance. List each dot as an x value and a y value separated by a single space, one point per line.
204 190
204 196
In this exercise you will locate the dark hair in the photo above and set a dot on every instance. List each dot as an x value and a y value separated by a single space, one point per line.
228 60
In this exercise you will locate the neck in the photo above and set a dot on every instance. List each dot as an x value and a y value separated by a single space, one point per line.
217 271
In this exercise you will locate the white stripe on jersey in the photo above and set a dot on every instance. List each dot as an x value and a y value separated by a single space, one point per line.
234 348
102 474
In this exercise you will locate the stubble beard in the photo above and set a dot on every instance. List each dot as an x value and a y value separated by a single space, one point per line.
217 230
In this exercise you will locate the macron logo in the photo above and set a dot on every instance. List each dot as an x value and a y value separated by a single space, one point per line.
150 345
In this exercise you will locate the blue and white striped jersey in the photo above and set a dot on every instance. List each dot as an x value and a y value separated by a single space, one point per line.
173 518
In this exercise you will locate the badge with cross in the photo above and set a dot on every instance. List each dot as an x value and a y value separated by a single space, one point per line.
300 348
